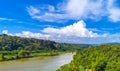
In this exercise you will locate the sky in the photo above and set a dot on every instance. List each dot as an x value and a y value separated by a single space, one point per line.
65 21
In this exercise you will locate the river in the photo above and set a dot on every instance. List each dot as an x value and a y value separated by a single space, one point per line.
42 63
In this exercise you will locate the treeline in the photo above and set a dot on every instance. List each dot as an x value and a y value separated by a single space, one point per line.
95 58
12 47
10 43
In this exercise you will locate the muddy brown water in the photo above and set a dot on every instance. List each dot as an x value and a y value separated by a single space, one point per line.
42 63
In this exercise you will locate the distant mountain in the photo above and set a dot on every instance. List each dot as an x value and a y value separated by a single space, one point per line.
105 43
113 43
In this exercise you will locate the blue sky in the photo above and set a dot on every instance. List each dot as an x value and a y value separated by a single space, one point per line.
68 21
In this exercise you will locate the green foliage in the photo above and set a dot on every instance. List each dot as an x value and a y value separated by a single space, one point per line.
73 47
66 67
8 43
23 53
1 57
98 58
12 47
81 68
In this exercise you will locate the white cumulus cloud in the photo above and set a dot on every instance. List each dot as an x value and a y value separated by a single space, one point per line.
5 32
29 34
78 29
113 11
76 10
75 33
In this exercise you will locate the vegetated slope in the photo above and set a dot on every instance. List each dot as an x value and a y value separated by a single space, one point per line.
9 43
12 47
73 47
98 58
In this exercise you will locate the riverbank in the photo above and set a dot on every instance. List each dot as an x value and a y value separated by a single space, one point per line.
26 54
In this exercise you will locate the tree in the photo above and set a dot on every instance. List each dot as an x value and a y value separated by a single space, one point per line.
23 53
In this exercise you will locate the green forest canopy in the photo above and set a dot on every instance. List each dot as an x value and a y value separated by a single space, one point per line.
98 58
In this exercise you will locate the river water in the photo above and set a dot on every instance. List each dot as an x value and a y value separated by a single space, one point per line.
44 63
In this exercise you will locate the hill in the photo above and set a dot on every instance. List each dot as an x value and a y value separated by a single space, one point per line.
98 58
12 47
